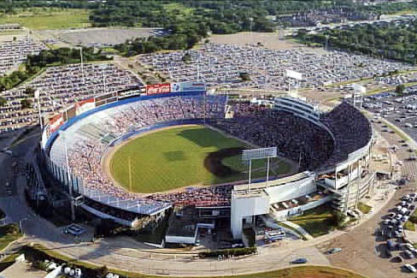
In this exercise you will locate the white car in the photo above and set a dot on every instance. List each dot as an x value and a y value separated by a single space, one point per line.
410 268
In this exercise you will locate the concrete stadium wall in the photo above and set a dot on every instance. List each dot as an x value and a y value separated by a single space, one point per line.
284 214
291 190
246 206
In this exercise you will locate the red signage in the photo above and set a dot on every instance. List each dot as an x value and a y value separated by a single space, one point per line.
55 122
84 105
158 89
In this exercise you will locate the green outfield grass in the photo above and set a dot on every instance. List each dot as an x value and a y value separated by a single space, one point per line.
48 18
174 158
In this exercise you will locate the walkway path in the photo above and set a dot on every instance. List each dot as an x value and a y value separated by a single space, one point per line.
299 229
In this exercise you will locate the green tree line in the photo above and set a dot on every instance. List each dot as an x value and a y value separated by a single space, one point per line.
388 40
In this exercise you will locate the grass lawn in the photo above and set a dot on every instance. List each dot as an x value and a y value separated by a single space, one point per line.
48 18
413 217
409 226
364 208
317 222
8 233
175 157
8 261
293 272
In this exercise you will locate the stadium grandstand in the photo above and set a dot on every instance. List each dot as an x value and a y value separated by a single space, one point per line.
331 150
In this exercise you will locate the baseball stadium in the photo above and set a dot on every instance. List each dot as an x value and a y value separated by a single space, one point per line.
139 159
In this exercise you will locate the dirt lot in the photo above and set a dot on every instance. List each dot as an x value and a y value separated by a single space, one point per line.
268 40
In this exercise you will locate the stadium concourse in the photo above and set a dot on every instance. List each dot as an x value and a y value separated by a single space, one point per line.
331 158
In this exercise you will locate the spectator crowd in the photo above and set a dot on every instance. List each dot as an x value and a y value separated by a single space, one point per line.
309 144
86 147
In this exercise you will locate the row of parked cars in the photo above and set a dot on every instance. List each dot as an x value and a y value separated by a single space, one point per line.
392 229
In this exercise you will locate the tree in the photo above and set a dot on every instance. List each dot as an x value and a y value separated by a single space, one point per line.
399 90
339 219
244 76
186 58
29 91
102 272
3 101
26 103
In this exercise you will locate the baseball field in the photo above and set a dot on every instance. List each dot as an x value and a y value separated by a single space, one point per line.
183 156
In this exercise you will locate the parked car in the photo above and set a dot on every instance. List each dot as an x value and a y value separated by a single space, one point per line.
410 268
408 254
299 261
334 250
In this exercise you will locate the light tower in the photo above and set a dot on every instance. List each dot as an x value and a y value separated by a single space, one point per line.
357 95
293 75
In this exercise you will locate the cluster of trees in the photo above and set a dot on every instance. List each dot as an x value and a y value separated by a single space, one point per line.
10 7
182 39
187 22
390 40
63 56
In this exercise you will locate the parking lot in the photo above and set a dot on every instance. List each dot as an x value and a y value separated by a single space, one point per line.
394 245
399 110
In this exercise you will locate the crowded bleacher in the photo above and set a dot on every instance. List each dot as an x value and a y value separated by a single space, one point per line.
86 147
351 130
295 137
307 143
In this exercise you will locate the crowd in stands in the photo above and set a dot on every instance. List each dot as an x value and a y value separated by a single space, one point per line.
199 197
295 137
86 149
60 87
13 53
222 65
351 130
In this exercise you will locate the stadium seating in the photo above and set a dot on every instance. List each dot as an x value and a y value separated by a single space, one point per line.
305 142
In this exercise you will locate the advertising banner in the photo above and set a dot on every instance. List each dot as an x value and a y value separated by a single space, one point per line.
176 87
85 105
55 122
158 89
193 87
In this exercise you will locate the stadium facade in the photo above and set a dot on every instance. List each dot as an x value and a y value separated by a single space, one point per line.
340 177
